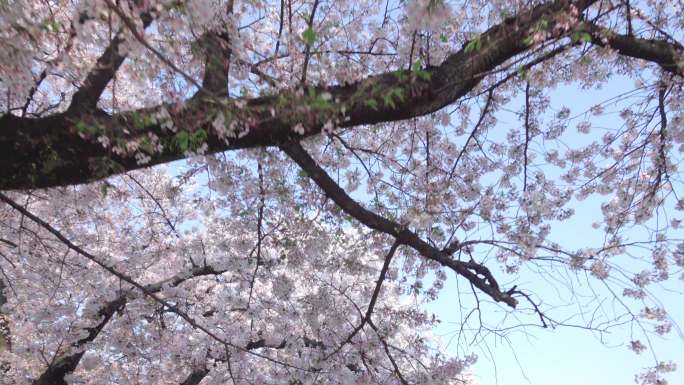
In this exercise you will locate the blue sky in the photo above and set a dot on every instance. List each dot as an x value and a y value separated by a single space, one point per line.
566 355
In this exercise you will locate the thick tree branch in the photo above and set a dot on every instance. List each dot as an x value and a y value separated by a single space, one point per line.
67 363
669 56
86 98
307 53
477 274
130 24
217 63
217 59
62 149
196 376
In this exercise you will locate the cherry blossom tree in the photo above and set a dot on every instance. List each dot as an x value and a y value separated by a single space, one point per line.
340 160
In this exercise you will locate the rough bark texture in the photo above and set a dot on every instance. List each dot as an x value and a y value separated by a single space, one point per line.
66 148
63 149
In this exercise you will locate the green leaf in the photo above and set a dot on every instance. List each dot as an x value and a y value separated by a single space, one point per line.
542 25
138 121
574 38
424 75
147 146
85 128
200 136
473 45
320 104
437 231
183 140
443 38
318 101
82 127
418 70
51 25
392 94
388 101
583 36
397 92
400 75
104 187
372 103
528 41
309 36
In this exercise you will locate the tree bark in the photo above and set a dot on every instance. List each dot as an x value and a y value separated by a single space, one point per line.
65 149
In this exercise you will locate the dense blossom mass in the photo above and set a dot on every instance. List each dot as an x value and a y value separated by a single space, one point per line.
336 163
